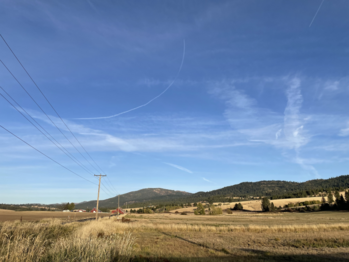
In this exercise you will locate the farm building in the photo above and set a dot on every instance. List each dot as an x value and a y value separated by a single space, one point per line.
121 211
94 210
79 210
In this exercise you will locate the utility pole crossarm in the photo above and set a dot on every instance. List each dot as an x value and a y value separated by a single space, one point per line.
99 187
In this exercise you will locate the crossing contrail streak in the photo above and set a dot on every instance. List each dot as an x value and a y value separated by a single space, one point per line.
143 105
316 13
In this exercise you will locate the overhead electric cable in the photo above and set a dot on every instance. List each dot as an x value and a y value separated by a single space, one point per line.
110 193
46 155
55 142
47 100
50 105
112 186
42 110
76 161
50 157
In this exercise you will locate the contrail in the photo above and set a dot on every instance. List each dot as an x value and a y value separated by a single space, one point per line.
156 97
316 13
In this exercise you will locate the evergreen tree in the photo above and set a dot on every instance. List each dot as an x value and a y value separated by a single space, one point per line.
272 207
323 200
337 196
265 204
238 207
330 198
341 202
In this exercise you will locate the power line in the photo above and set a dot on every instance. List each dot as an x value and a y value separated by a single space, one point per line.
55 142
42 110
46 155
50 105
112 185
76 161
48 101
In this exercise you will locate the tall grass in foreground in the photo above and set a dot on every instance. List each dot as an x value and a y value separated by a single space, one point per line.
55 242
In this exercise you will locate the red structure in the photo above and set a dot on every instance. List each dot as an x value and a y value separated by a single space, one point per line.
94 210
121 211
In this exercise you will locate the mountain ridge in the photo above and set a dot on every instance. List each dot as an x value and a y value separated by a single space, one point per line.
142 195
270 188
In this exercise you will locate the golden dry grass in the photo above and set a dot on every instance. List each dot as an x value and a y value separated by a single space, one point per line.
253 237
242 236
9 215
52 241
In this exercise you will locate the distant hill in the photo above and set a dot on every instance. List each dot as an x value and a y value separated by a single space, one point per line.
272 188
275 187
143 195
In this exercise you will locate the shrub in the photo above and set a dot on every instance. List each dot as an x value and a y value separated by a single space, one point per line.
184 213
148 211
200 210
238 207
216 211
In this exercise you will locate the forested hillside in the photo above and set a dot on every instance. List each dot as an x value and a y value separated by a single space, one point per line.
271 189
246 190
143 195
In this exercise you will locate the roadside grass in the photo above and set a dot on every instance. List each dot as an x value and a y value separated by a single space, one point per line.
56 242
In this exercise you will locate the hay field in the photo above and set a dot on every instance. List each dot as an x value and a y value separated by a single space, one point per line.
10 215
241 236
255 205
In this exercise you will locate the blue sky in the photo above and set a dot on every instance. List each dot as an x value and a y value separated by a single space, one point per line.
249 91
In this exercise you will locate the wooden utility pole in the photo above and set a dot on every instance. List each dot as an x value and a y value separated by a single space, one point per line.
99 188
118 205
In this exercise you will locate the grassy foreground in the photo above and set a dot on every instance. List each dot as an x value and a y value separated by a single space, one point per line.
317 236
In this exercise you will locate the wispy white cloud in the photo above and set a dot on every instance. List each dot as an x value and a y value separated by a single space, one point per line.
344 131
261 125
293 122
278 133
205 179
187 136
179 167
306 166
331 85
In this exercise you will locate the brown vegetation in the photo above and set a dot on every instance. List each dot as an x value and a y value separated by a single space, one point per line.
9 215
241 236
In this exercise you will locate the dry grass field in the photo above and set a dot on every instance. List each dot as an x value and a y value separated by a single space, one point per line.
241 236
252 205
10 215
